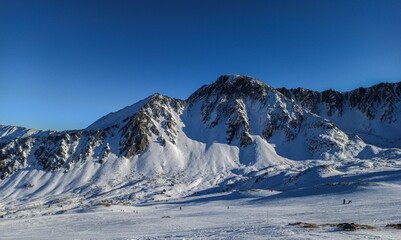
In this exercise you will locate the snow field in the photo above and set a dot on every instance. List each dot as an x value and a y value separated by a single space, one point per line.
258 214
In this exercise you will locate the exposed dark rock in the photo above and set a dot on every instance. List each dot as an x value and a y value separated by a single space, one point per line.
232 86
395 226
346 227
141 126
339 226
306 98
13 155
365 100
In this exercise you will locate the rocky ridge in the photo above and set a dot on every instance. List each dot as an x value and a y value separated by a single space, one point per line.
372 113
235 110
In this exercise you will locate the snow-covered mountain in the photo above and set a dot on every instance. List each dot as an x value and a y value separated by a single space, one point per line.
225 134
372 113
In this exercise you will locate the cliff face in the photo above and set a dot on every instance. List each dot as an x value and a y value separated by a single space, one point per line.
378 102
372 113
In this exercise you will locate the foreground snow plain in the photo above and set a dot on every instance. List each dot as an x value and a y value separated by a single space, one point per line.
251 214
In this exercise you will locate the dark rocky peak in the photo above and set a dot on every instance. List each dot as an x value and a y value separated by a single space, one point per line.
140 127
379 98
237 86
246 107
383 92
374 102
157 102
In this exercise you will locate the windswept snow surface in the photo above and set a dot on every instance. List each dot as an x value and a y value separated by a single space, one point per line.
252 214
256 205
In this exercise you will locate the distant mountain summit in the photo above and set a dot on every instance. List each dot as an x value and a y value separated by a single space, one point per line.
237 123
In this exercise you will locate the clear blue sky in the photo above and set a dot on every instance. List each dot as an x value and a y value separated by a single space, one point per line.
63 64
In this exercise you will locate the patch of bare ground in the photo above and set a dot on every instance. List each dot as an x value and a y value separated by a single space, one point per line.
338 226
394 225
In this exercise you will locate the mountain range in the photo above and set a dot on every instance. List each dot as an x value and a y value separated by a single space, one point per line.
235 133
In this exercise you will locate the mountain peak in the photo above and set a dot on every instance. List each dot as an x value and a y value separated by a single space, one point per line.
156 95
232 85
237 79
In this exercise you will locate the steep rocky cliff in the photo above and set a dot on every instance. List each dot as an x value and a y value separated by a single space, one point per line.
373 113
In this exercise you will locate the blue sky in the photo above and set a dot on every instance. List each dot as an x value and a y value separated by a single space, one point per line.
63 64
